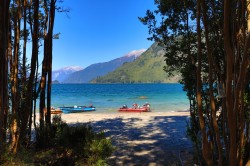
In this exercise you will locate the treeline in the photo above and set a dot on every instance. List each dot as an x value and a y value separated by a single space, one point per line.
208 42
23 140
23 23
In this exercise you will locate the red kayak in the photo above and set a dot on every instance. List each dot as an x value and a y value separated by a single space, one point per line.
133 110
145 108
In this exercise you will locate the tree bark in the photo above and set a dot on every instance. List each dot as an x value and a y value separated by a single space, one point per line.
43 81
15 124
34 59
239 99
43 109
206 151
229 81
24 70
4 20
211 89
47 61
50 53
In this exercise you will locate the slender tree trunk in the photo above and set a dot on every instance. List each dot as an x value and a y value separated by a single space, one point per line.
35 98
247 123
24 70
34 58
6 92
49 51
42 94
211 89
14 74
4 20
24 40
43 109
225 130
229 81
206 151
239 99
46 75
10 56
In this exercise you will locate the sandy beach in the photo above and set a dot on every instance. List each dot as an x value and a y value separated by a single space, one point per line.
155 138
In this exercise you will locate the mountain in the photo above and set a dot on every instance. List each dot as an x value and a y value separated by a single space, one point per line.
63 73
100 69
148 68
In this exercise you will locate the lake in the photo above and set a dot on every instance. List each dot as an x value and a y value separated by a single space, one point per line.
110 97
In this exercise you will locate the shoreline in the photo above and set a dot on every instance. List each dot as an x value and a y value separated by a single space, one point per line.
98 116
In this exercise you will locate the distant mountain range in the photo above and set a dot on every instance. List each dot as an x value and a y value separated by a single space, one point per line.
148 68
138 66
95 70
61 74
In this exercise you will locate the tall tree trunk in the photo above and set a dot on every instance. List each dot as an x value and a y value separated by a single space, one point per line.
42 93
24 70
43 81
239 99
211 89
15 124
206 151
4 20
229 81
10 56
50 53
35 98
34 59
24 40
6 91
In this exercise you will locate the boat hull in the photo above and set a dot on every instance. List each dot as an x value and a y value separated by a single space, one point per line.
77 109
56 111
134 110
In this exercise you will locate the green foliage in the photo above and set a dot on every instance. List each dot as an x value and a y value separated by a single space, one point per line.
172 24
148 68
80 143
23 157
99 150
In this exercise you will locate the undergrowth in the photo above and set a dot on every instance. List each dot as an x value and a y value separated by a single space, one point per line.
62 144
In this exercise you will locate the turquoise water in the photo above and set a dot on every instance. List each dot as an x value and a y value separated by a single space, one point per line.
110 97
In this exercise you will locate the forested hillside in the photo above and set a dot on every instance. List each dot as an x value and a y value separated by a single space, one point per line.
148 68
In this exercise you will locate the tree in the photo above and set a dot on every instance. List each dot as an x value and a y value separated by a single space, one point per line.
223 122
237 50
47 61
15 94
4 20
21 21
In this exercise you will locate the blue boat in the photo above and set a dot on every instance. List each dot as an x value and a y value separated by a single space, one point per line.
76 109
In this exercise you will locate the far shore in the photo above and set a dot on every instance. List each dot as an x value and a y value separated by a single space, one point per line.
149 138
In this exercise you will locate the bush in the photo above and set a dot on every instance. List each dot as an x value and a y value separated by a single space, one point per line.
99 150
78 144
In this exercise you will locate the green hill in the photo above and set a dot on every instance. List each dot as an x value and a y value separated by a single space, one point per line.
148 68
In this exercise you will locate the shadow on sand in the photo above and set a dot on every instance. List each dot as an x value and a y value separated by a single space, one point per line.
160 140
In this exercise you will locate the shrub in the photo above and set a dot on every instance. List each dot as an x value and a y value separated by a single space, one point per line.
78 144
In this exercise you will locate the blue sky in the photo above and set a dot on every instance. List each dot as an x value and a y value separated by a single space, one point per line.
99 31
